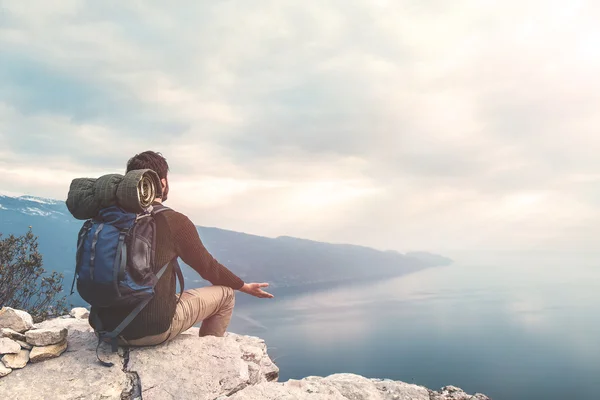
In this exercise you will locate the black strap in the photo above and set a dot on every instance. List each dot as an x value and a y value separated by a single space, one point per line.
122 259
181 281
104 363
161 272
100 332
158 208
113 335
80 240
93 251
73 283
117 331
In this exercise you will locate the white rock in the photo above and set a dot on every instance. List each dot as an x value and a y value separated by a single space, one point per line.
80 313
69 323
9 346
76 374
16 361
334 387
16 320
230 368
24 345
344 387
11 334
42 353
46 337
226 365
454 393
3 372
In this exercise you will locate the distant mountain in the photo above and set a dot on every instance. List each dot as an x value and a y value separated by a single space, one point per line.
288 264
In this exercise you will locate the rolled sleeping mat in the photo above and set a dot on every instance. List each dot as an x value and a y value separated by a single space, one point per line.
134 192
138 189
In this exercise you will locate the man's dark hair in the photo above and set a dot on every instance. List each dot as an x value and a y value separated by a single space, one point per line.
149 160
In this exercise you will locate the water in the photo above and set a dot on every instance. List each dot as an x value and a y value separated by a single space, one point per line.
510 332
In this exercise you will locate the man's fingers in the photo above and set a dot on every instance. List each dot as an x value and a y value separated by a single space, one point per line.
264 294
255 290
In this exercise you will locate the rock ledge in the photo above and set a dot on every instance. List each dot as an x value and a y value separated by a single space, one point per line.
233 367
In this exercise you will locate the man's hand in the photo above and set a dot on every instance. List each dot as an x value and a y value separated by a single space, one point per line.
255 289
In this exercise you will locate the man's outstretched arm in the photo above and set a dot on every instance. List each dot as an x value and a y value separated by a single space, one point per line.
192 251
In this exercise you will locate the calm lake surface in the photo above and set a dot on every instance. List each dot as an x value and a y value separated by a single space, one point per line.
528 332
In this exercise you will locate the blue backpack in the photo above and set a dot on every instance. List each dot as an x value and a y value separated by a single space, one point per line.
114 266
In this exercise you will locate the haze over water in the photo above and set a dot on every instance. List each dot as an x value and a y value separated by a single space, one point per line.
512 332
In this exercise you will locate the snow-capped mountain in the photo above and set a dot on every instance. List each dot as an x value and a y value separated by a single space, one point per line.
31 205
51 221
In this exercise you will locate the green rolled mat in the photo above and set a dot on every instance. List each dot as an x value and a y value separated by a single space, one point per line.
133 192
81 200
138 189
105 190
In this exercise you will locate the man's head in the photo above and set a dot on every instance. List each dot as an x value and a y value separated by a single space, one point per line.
154 161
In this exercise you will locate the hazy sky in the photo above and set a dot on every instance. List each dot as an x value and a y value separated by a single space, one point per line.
440 125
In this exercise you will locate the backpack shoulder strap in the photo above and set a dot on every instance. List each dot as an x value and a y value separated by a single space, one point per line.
179 273
158 209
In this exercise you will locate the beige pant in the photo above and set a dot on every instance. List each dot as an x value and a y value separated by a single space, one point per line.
212 304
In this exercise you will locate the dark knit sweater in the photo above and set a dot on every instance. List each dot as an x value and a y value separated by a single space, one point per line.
176 235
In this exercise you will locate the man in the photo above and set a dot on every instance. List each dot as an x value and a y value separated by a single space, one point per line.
165 317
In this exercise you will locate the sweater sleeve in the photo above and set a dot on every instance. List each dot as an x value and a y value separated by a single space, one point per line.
192 251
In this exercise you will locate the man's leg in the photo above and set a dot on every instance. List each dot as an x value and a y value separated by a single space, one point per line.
213 305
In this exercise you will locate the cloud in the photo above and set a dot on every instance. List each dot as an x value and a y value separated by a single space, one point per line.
409 124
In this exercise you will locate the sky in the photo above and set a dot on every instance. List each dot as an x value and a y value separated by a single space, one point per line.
406 125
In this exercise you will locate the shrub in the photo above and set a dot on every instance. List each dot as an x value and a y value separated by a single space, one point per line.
24 283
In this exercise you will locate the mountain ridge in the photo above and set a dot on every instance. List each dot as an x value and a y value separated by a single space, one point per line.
50 201
284 261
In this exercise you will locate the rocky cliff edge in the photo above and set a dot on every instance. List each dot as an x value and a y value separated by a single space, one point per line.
233 367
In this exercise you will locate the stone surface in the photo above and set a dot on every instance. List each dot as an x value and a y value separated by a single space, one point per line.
16 320
189 367
68 323
3 372
43 353
9 346
46 336
11 334
345 387
80 313
16 361
454 393
76 374
225 365
24 345
334 387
